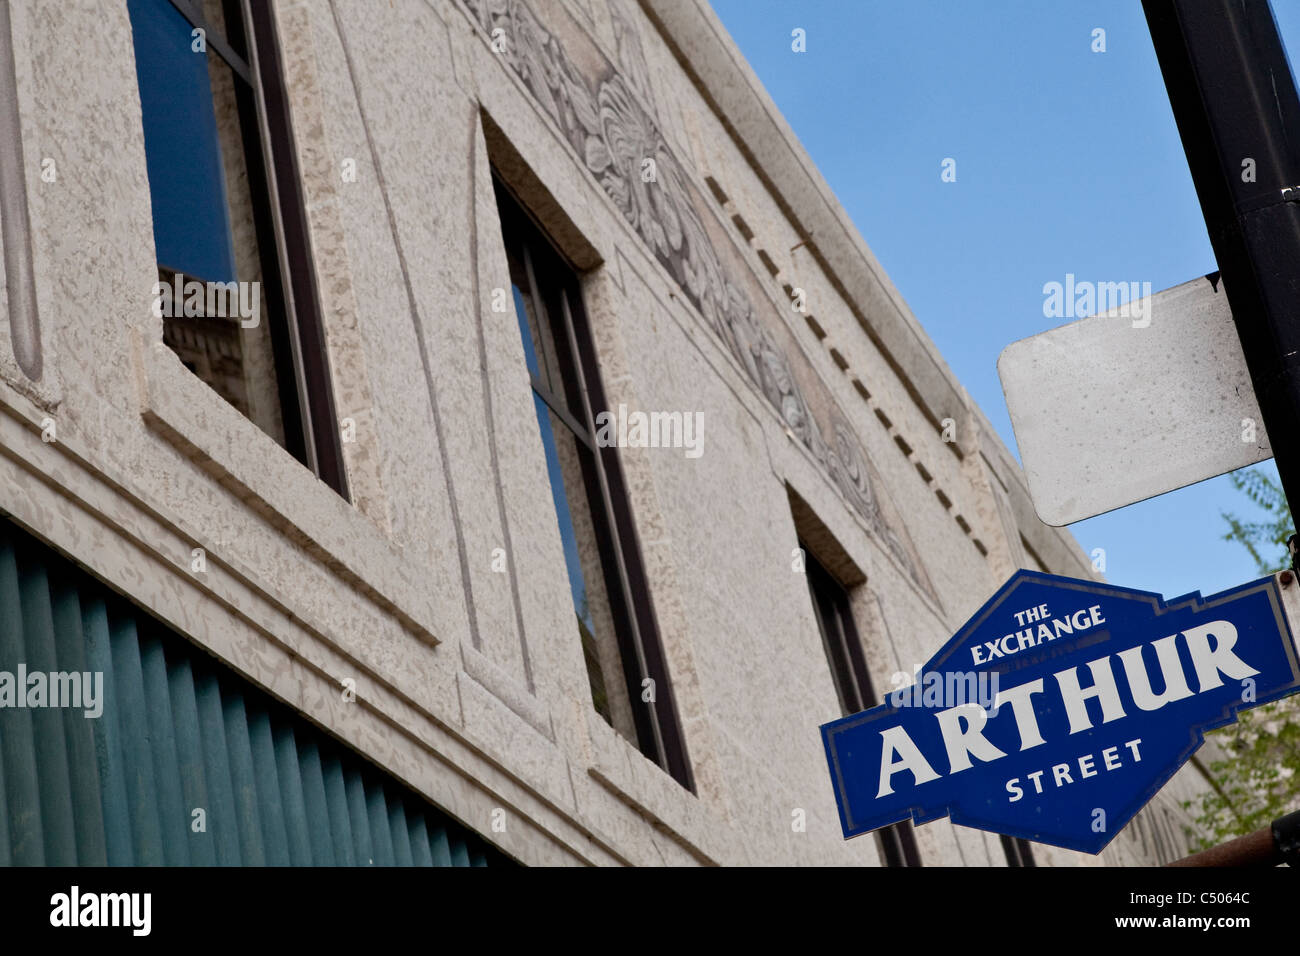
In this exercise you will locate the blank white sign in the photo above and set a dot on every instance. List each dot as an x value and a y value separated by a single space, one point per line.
1117 408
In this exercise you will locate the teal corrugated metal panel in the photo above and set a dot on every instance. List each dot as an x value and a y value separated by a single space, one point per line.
439 846
189 757
380 836
47 722
221 813
336 793
83 768
242 778
137 752
358 817
178 732
288 767
17 742
270 808
6 853
221 809
113 801
420 855
316 809
459 851
172 815
399 830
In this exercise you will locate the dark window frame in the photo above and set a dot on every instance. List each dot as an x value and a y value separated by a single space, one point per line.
852 678
251 49
1018 851
559 299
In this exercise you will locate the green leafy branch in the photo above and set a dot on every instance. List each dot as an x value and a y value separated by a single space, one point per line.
1257 778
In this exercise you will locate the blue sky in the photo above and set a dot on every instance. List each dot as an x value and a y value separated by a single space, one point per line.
1067 161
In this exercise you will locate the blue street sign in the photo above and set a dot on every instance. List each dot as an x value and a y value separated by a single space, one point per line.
1060 709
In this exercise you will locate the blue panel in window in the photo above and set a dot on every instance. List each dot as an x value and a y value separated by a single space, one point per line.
559 493
191 225
521 313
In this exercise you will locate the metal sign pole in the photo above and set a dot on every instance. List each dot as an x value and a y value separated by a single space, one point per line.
1234 99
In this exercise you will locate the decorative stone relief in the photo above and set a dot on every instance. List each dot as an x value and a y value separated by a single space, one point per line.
631 58
621 146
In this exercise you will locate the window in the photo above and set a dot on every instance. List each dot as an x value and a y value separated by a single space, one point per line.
615 619
1018 851
852 683
236 290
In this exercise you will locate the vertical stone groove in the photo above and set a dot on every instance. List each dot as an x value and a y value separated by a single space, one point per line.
15 227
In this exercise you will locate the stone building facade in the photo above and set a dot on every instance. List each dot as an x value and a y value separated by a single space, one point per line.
478 225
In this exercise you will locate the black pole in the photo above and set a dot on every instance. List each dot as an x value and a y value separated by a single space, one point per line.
1235 103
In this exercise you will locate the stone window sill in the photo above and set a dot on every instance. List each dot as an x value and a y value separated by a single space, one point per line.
627 774
183 410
